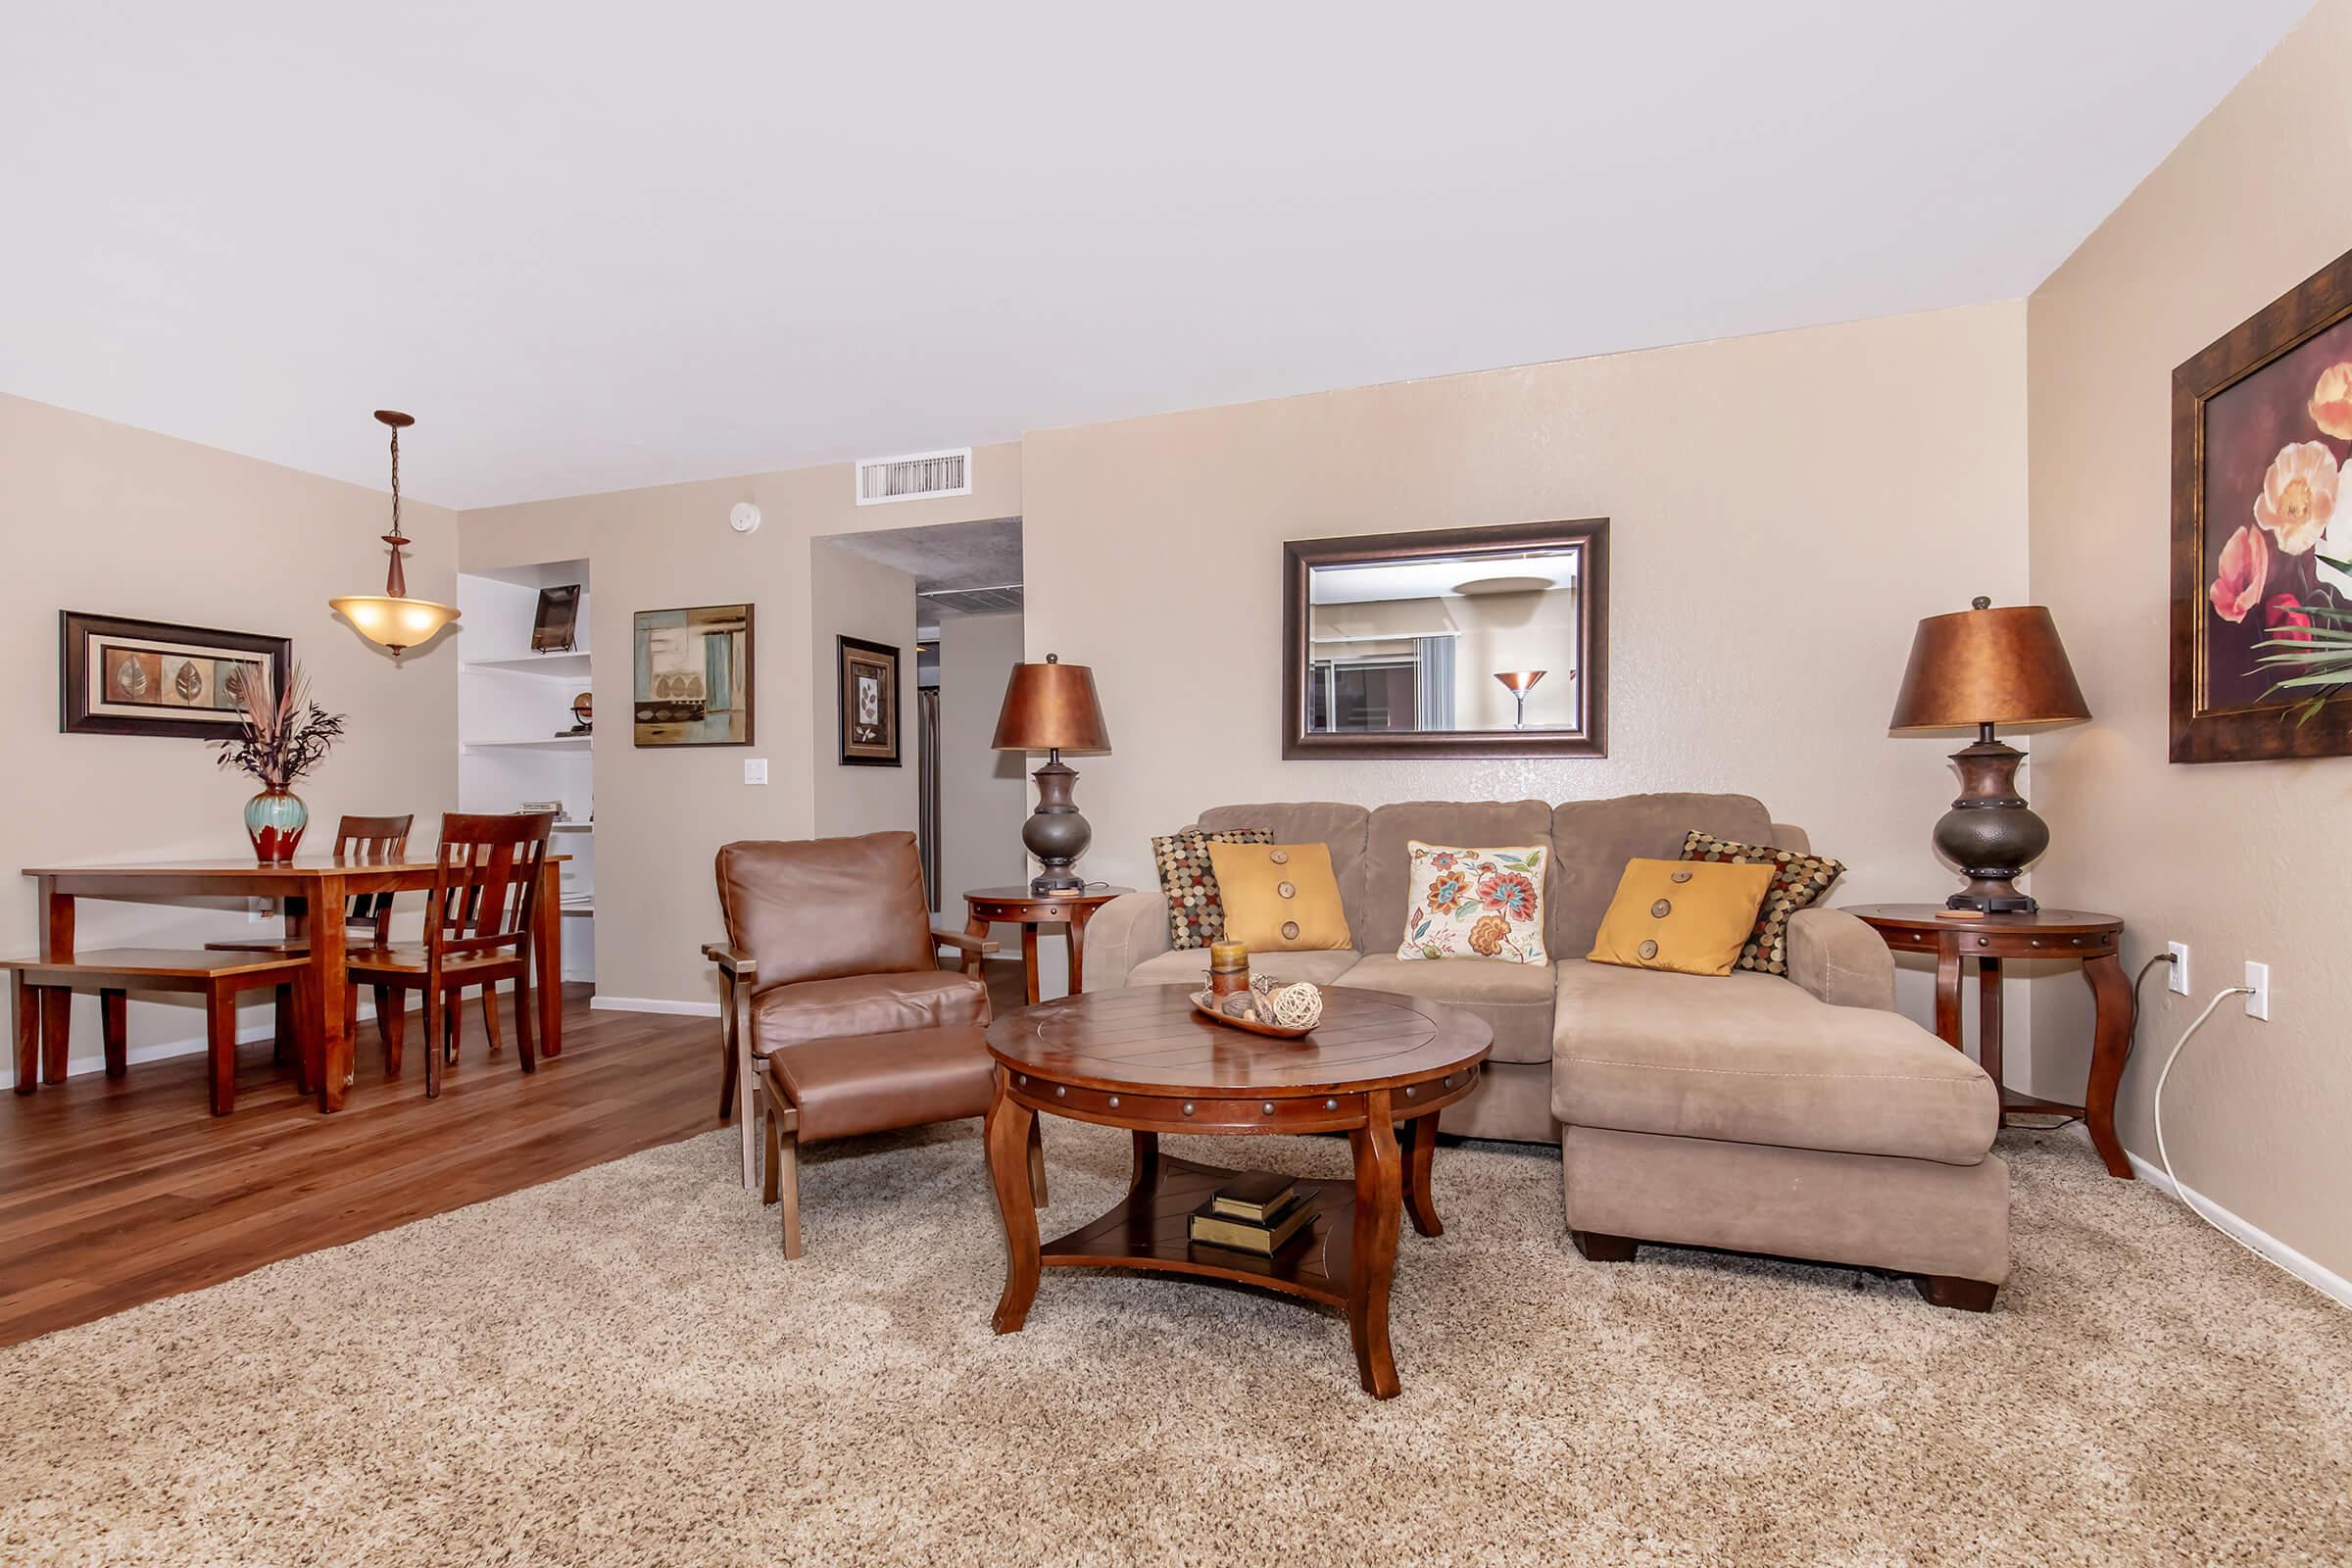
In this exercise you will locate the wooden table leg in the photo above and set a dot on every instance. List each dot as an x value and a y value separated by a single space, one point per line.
1029 960
2111 1048
1147 1163
1989 1020
57 1002
1007 1143
1379 1193
57 1030
29 1034
320 996
547 956
1419 1140
1947 996
1078 918
57 922
114 1031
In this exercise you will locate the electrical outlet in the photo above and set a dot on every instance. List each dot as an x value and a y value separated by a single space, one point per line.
754 770
2177 981
2258 987
259 910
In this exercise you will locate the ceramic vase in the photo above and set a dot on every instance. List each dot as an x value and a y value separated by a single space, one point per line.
274 821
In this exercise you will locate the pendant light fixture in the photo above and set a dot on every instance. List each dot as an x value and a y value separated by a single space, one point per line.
392 617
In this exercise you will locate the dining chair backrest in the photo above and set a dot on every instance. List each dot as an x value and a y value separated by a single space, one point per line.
364 839
486 882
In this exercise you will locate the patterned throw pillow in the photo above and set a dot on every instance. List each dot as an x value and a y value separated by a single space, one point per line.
1475 903
1195 909
1798 882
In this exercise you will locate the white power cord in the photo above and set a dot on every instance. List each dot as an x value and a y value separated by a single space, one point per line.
2156 1111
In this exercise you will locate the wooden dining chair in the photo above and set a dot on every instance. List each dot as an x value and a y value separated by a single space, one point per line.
366 918
478 921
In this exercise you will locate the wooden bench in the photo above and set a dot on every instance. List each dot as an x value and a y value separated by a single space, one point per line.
44 994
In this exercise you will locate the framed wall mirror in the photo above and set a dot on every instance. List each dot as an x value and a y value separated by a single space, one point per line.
1458 641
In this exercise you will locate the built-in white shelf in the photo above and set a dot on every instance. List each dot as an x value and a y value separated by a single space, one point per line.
558 666
513 712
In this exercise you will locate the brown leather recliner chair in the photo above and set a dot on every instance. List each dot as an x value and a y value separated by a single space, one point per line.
830 940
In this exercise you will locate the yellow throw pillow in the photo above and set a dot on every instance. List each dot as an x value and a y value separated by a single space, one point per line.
1690 916
1283 898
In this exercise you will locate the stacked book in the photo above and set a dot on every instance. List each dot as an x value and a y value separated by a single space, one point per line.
1260 1212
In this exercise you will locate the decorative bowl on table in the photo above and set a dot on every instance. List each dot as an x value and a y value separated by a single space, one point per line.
1268 1007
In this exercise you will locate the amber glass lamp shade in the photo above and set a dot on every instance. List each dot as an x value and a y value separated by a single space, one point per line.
1051 708
1979 669
397 623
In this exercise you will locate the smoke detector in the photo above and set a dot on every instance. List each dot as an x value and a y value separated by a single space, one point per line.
745 518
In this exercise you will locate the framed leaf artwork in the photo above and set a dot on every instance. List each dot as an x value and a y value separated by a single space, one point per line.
870 702
2262 533
152 678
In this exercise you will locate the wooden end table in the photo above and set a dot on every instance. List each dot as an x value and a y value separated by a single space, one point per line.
2076 934
1017 906
1379 1068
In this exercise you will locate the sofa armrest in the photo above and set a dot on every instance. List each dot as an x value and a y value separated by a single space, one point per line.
1130 928
1841 960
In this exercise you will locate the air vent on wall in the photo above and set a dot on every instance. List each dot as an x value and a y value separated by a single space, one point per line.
915 476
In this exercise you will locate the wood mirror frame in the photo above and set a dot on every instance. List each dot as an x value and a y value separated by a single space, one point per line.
1589 536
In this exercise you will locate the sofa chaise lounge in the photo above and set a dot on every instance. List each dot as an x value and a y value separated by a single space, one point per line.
1800 1116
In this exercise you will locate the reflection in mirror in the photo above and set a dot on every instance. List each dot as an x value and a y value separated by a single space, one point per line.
1445 645
1449 642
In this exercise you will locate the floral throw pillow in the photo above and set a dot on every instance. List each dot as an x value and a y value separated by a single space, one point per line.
1196 908
1475 903
1797 883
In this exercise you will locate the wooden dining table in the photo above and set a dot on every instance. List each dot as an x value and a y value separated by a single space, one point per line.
307 885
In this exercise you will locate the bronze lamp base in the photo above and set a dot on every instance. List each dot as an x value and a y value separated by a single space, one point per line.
1989 832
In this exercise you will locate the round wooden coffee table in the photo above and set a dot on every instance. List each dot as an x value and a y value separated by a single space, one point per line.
1379 1068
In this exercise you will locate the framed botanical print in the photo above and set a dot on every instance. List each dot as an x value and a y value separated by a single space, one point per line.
2262 534
691 676
152 678
870 702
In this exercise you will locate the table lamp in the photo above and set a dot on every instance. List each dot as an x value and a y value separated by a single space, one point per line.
1051 708
1984 667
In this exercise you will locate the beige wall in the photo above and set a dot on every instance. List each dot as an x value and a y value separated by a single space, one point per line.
113 520
983 794
2240 860
852 597
1783 509
662 814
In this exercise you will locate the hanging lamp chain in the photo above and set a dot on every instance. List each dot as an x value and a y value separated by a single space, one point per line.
396 580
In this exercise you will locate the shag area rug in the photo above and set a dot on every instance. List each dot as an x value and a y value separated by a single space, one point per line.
621 1369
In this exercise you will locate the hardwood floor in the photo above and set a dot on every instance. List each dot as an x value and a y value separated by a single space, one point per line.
115 1192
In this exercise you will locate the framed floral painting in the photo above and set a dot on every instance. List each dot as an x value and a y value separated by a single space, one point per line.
2262 533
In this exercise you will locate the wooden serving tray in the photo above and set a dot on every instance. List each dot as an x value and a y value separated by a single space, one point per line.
1204 1002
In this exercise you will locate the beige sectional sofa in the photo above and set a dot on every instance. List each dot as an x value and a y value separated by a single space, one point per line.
1802 1116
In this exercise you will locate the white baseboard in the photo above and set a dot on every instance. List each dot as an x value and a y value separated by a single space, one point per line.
2318 1276
685 1009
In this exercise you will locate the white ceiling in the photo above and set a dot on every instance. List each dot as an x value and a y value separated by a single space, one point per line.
593 246
1435 579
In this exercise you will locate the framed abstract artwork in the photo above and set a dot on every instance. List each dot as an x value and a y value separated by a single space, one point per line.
870 702
151 678
2262 535
690 679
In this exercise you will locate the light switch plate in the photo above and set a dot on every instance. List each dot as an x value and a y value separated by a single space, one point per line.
754 770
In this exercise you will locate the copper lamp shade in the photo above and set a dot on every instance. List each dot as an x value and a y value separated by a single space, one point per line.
1051 708
1981 667
1988 667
